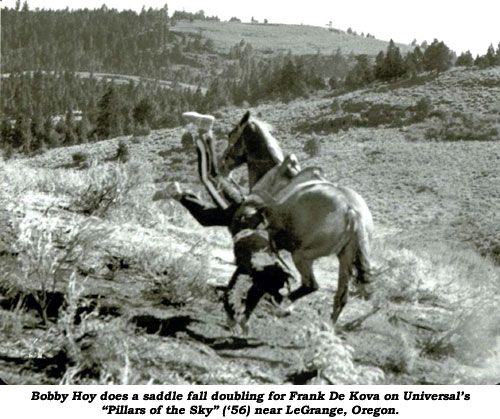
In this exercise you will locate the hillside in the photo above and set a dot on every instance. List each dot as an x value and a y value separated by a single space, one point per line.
120 79
134 286
269 38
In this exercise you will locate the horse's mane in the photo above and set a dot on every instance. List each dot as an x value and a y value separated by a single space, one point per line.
264 129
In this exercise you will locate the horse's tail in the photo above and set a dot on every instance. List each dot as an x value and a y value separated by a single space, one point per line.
361 230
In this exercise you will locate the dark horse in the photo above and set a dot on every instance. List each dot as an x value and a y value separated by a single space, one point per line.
316 219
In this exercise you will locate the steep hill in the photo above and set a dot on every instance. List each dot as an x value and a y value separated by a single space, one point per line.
135 285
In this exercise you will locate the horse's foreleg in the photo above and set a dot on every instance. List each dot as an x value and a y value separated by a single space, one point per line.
309 284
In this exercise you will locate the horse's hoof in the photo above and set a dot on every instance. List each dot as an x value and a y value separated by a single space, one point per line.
237 327
244 329
172 191
284 310
362 291
230 323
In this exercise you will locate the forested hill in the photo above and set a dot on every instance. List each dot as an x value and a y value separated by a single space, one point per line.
45 101
100 40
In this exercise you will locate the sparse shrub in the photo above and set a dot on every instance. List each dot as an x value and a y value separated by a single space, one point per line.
141 130
45 247
122 153
464 127
179 280
351 106
105 186
383 114
79 158
330 125
422 109
187 141
438 113
8 152
312 147
334 83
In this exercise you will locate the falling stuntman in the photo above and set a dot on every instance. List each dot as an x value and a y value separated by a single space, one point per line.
262 270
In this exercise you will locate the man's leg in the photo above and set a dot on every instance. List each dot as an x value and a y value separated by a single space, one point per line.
203 212
207 215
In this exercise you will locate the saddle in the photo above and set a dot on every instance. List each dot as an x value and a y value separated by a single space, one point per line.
274 188
283 181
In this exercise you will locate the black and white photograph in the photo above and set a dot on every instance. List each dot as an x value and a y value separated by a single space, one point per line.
249 193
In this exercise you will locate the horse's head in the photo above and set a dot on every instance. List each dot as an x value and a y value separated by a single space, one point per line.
251 142
235 153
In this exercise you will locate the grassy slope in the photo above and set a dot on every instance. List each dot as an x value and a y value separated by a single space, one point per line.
300 39
150 273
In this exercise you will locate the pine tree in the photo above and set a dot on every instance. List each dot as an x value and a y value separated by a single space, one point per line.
5 133
36 131
410 66
142 112
465 59
361 75
21 134
391 65
418 59
108 123
490 56
394 63
437 57
379 69
84 129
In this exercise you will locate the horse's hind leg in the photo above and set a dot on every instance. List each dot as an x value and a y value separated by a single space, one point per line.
346 263
364 270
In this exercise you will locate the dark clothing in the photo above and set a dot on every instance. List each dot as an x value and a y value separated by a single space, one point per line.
206 214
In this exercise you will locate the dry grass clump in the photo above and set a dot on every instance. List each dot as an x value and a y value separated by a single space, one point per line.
387 342
46 248
438 301
312 146
178 278
332 359
105 186
95 191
